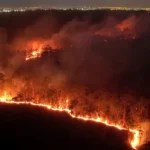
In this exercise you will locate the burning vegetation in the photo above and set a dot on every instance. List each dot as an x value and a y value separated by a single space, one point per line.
93 70
64 107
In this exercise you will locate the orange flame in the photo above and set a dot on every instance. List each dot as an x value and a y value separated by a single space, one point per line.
136 140
6 97
34 54
136 134
34 48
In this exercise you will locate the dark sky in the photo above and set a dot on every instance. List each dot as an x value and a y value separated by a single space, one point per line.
128 3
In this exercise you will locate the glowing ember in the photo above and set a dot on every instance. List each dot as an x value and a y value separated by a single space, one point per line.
136 135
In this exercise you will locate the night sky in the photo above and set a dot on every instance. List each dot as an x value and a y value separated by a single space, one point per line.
127 3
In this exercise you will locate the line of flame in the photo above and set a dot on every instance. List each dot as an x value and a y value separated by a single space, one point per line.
136 135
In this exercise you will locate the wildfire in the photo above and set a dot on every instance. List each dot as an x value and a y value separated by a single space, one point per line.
34 48
136 140
136 134
34 54
6 98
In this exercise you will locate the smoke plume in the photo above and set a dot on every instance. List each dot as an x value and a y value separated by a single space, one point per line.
101 66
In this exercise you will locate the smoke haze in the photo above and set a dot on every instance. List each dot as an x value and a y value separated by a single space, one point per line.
102 65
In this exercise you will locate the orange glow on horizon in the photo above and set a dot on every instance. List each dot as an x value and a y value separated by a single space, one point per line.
136 134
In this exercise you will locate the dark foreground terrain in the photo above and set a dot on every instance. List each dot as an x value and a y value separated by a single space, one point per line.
28 127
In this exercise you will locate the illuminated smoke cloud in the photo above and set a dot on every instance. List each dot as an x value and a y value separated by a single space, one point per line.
95 64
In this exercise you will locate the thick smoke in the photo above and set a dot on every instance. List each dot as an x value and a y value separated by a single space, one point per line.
101 66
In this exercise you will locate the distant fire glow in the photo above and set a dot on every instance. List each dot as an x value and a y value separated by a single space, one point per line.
34 49
6 98
34 54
